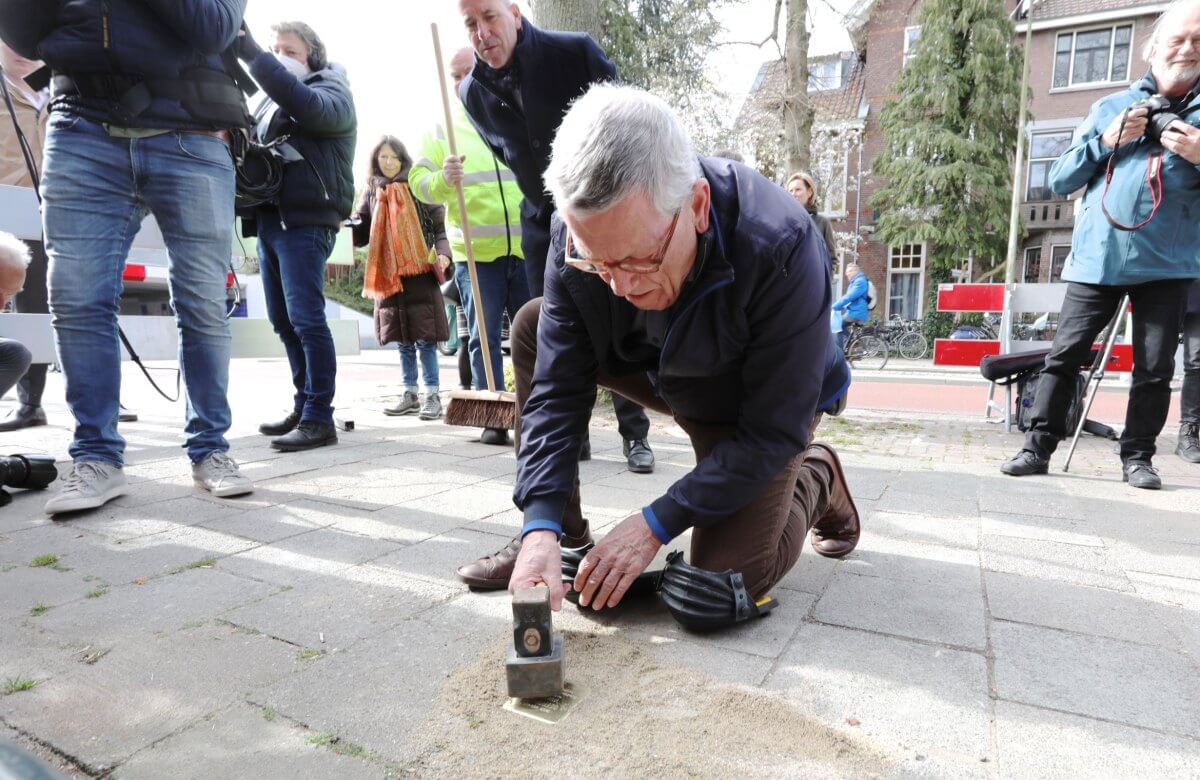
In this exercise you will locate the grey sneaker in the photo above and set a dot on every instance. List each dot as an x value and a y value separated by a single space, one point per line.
431 407
219 475
90 484
409 404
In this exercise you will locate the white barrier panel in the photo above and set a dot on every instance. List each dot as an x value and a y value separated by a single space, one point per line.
157 338
21 216
1037 298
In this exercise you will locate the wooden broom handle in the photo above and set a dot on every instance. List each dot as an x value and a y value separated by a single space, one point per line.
480 319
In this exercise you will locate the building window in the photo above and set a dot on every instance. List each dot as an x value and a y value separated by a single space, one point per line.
1058 261
830 169
1031 269
825 75
911 36
1092 56
1044 149
906 281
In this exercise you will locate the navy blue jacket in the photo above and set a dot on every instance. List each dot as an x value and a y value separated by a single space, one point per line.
146 38
318 116
1193 302
552 69
747 345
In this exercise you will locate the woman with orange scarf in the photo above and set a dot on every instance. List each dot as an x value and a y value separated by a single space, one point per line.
403 273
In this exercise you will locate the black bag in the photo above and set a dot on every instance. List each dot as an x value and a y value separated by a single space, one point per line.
1027 385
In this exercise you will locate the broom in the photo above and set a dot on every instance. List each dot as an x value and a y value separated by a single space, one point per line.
472 408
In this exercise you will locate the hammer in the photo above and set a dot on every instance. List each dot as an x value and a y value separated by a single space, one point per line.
535 663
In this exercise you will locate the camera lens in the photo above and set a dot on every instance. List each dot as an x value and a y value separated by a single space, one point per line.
27 472
1158 124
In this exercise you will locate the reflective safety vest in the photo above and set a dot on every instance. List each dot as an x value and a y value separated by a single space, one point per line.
490 189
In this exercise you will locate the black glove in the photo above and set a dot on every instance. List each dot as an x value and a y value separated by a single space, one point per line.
244 46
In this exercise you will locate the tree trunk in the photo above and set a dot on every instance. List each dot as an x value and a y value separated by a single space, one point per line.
570 16
797 111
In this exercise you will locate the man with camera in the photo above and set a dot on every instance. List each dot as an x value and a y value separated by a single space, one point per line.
139 124
309 102
1136 233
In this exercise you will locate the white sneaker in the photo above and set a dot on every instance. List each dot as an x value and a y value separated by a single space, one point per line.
90 484
219 475
431 407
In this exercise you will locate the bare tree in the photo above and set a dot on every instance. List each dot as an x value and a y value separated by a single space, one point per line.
797 111
571 16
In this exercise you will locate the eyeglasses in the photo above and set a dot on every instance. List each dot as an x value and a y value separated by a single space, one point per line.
632 266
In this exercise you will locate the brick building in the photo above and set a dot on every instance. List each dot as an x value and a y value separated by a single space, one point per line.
1081 50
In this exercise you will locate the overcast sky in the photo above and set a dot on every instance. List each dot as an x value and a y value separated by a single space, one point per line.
388 53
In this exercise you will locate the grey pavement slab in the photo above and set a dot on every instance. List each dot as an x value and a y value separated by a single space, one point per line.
811 574
1159 557
436 559
1167 590
152 556
289 561
241 740
24 588
865 482
1076 608
465 504
1042 529
913 700
961 532
273 523
1098 677
879 556
1085 747
1080 564
143 691
917 610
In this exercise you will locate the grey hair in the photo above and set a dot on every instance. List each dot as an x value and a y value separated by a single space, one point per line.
617 141
317 57
1174 10
13 251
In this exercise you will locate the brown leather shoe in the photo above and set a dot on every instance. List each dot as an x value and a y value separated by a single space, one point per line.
491 572
836 532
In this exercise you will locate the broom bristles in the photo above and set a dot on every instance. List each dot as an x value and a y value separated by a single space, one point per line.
482 409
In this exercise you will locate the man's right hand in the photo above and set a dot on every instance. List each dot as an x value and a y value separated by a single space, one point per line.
1135 127
245 47
539 563
452 169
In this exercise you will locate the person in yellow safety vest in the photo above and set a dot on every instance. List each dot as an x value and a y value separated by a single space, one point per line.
494 208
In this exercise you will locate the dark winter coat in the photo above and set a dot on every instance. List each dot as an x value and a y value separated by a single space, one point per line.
135 39
1193 304
318 116
747 344
826 231
418 312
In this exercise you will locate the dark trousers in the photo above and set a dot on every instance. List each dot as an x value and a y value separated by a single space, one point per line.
14 362
292 264
1085 312
763 540
1189 400
34 300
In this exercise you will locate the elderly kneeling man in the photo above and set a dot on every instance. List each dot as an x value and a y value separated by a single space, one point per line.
700 289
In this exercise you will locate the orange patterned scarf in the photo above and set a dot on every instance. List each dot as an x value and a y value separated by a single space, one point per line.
397 247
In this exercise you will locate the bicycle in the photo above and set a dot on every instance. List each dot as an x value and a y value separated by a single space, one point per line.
865 347
906 339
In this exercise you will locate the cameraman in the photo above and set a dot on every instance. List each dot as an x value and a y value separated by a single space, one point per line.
309 101
1128 241
139 123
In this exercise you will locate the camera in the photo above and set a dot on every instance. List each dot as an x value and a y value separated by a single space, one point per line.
1159 116
25 472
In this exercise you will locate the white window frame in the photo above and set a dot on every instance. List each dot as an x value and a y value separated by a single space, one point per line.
920 272
1025 264
1032 160
908 43
1052 248
1112 43
827 85
827 209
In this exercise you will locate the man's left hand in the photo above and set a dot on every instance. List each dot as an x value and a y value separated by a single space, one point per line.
443 262
245 47
1184 140
615 562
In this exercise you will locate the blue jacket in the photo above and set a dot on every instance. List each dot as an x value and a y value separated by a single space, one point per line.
1193 301
552 69
747 345
147 39
318 116
1169 246
854 302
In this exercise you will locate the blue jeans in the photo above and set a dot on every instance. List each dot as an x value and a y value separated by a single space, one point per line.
429 366
96 192
292 264
503 285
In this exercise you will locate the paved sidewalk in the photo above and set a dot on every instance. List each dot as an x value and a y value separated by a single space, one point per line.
984 627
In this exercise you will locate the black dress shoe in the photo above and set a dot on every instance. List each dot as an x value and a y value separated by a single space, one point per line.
1026 462
497 436
281 428
23 417
307 436
639 456
1140 474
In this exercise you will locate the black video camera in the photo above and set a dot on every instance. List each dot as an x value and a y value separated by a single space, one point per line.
25 472
1159 116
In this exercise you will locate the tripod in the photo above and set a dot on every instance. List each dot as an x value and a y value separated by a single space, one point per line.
1096 372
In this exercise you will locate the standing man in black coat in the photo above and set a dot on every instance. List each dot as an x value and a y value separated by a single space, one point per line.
309 101
523 83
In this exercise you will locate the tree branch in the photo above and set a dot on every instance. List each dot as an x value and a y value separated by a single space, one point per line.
774 36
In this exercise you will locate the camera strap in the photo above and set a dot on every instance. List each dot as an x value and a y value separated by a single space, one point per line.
1153 181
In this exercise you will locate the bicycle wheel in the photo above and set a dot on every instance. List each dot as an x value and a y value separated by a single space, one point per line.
872 352
912 346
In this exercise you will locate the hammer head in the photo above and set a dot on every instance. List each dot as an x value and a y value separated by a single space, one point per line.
534 666
532 624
